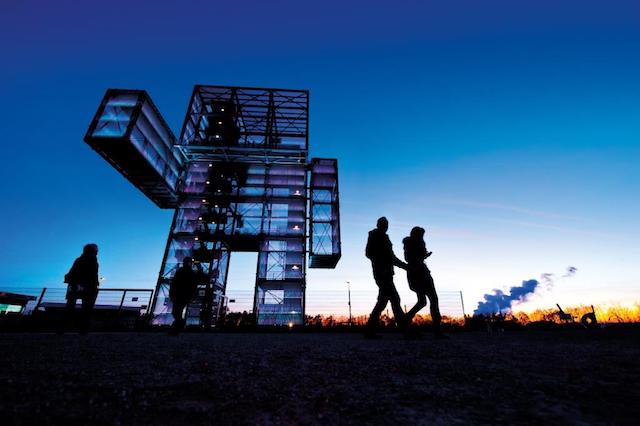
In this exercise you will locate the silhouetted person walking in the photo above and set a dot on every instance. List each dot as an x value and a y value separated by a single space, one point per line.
380 251
82 280
183 287
419 277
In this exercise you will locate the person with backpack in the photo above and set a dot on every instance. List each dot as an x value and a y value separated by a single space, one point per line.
82 283
419 277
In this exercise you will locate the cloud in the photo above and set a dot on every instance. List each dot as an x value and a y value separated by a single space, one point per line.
505 207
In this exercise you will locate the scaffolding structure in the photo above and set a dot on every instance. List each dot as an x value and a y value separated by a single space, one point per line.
240 180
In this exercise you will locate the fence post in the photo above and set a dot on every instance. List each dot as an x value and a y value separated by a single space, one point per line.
151 294
44 289
124 294
462 302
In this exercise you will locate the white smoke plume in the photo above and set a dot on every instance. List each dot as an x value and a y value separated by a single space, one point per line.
501 302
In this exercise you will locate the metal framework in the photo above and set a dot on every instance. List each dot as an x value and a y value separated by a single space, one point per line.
239 179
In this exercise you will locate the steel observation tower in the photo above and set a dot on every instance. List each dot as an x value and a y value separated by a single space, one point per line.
240 180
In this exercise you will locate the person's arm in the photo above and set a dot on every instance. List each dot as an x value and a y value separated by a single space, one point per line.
423 249
399 263
97 280
390 254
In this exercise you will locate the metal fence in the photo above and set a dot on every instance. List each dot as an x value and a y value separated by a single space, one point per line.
336 303
113 298
318 302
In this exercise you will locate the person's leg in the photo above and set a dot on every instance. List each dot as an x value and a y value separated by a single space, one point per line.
381 303
394 298
68 316
421 303
433 304
183 314
71 303
88 302
176 311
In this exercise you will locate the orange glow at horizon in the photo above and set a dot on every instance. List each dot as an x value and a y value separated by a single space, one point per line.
606 313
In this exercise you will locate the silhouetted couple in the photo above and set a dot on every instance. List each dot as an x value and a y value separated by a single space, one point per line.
380 251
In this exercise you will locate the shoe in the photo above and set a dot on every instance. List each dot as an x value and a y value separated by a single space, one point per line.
406 322
402 323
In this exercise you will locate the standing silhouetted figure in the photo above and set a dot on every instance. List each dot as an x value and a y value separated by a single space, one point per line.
419 277
183 287
82 283
380 252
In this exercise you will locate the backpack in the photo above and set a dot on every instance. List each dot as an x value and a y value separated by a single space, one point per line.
69 276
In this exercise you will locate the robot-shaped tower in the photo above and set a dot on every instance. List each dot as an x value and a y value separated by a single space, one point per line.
239 179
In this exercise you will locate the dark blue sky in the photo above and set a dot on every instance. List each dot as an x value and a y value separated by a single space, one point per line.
510 130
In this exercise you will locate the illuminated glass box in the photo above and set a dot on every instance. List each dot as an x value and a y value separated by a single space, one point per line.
129 132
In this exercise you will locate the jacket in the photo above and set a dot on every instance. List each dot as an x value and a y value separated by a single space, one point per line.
380 251
415 250
183 285
84 272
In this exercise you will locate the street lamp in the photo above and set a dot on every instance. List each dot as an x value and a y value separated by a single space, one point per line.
349 295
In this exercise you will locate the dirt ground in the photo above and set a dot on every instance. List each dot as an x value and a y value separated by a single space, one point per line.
523 377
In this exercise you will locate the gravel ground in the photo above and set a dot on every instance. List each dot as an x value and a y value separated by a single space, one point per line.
525 377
